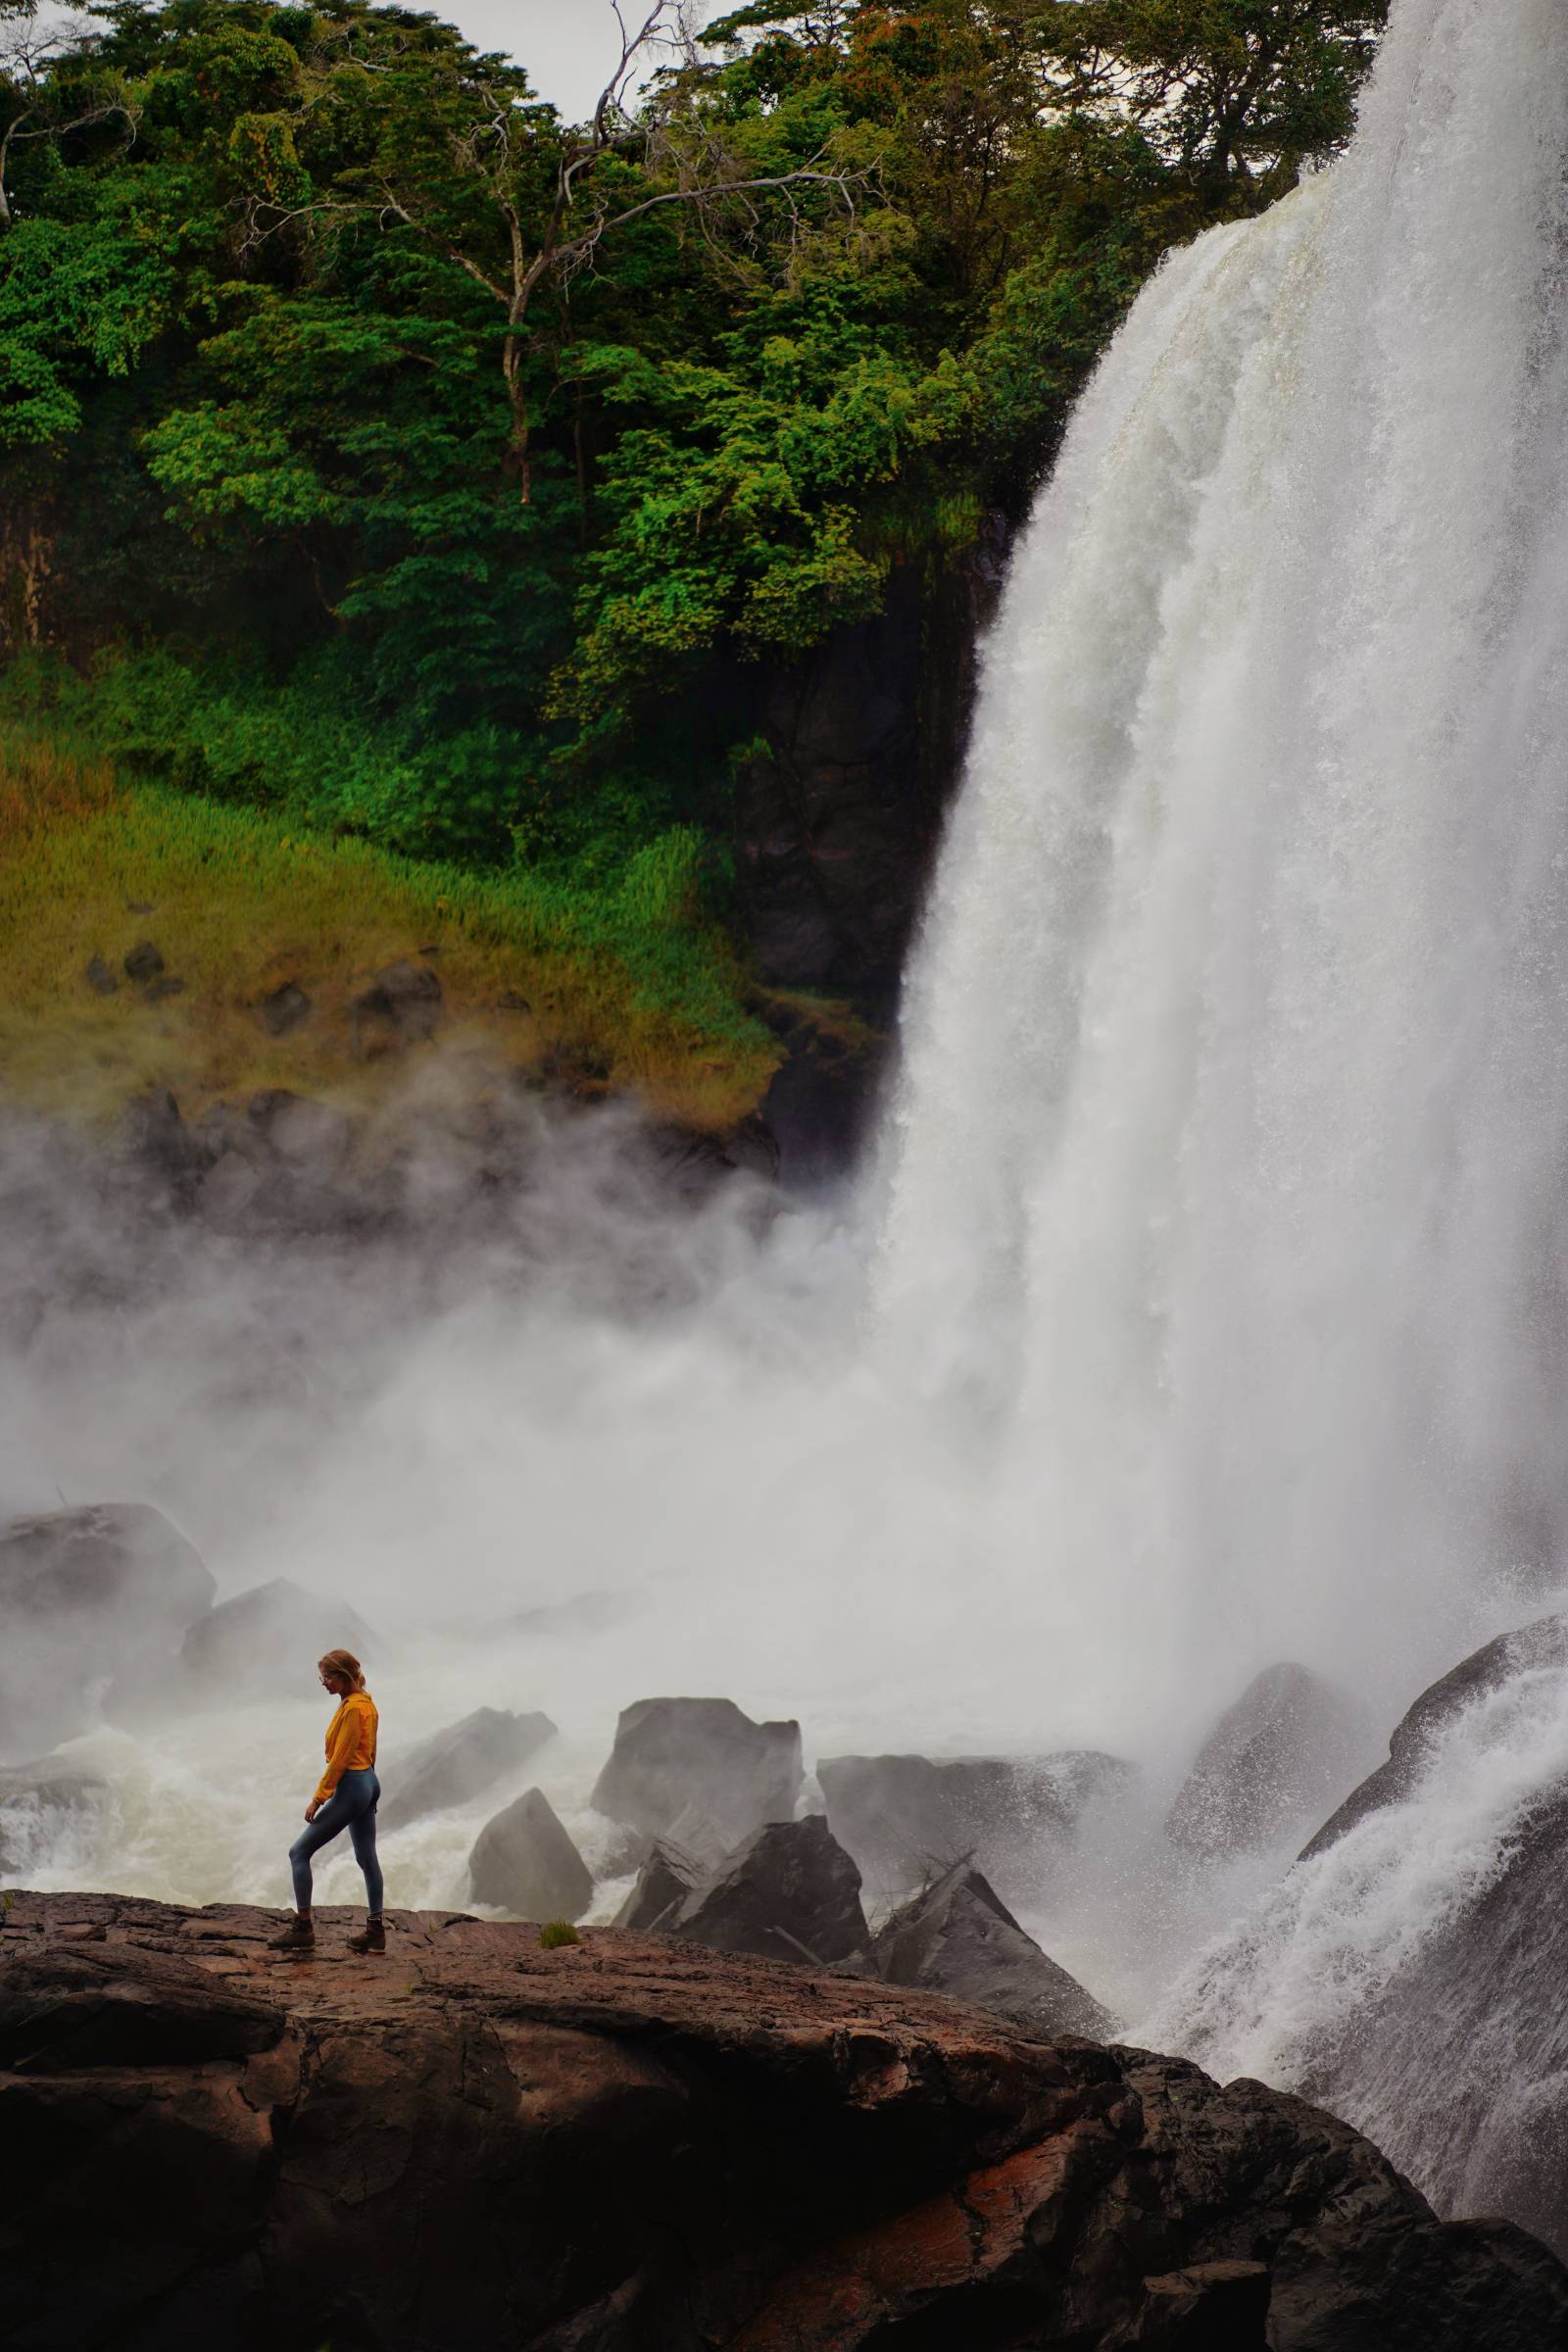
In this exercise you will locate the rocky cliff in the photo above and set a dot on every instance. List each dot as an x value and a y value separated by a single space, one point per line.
628 2144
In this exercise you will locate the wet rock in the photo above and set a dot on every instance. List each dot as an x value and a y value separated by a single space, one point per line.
405 998
1290 1744
99 978
228 1193
312 1138
710 2150
1458 2051
673 1752
40 1803
1543 1644
667 1877
85 1594
459 1763
283 1011
1211 2307
154 1137
524 1861
904 1817
958 1937
788 1893
224 1127
144 961
264 1644
695 1834
819 1100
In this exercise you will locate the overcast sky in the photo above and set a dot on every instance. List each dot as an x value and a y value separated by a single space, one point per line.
569 47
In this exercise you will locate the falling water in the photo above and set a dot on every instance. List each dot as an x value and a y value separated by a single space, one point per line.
1227 1177
1227 1169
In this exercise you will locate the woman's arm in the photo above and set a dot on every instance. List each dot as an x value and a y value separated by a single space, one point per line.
340 1746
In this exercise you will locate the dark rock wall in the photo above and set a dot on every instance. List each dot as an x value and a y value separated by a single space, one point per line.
838 818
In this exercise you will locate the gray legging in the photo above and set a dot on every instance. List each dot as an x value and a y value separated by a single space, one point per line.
352 1807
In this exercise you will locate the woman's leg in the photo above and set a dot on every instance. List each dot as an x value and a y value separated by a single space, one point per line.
361 1830
335 1816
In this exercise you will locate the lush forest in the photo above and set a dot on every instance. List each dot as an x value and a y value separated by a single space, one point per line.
383 455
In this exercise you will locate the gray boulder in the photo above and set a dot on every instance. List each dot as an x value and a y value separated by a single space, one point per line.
264 1644
666 1878
695 1834
960 1937
404 1000
903 1817
525 1862
671 1754
313 1138
84 1593
283 1008
1543 1644
1290 1748
39 1804
790 1892
1457 2057
460 1762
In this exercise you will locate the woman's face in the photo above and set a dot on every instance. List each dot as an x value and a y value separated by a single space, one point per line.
337 1684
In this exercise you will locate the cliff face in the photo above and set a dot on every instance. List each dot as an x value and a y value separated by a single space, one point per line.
627 2144
839 810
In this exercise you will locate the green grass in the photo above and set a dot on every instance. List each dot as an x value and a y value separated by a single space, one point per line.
618 990
556 1932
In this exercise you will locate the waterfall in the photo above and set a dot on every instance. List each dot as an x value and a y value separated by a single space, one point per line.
1224 1176
1225 1182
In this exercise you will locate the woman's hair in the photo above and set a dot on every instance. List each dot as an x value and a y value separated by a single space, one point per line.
343 1661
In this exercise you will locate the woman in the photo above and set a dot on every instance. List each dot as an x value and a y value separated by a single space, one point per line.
346 1799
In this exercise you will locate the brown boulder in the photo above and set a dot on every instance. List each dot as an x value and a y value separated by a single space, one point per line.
634 2143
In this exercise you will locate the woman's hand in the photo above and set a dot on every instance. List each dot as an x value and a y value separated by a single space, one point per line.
312 1808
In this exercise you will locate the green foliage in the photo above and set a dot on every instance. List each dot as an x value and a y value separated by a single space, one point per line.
556 1933
632 988
371 480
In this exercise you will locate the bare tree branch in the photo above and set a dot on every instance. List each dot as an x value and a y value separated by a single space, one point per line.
486 149
29 55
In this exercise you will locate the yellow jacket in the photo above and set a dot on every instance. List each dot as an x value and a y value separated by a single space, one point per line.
350 1742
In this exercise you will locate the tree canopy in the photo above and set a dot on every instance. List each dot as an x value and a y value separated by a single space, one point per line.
371 438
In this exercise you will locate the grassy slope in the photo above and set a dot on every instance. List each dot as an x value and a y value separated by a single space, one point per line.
237 904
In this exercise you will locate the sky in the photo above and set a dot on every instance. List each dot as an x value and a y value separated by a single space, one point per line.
569 47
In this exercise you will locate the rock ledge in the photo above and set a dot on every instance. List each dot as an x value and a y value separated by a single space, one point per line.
637 2145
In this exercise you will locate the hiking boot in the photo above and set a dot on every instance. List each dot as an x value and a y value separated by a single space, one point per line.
373 1939
298 1937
